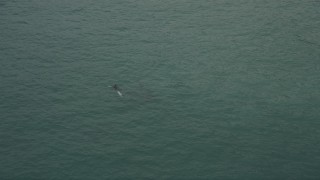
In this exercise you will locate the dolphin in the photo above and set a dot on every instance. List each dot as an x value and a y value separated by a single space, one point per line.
116 88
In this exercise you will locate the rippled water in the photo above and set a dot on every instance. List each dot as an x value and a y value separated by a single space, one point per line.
220 89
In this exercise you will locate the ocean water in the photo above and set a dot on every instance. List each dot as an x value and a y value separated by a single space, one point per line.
212 89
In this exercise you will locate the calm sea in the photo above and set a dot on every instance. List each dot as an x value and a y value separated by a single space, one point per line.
212 89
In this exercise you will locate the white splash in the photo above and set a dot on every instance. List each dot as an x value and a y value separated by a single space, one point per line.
120 94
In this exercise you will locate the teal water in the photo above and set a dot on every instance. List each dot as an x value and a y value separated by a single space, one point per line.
225 89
